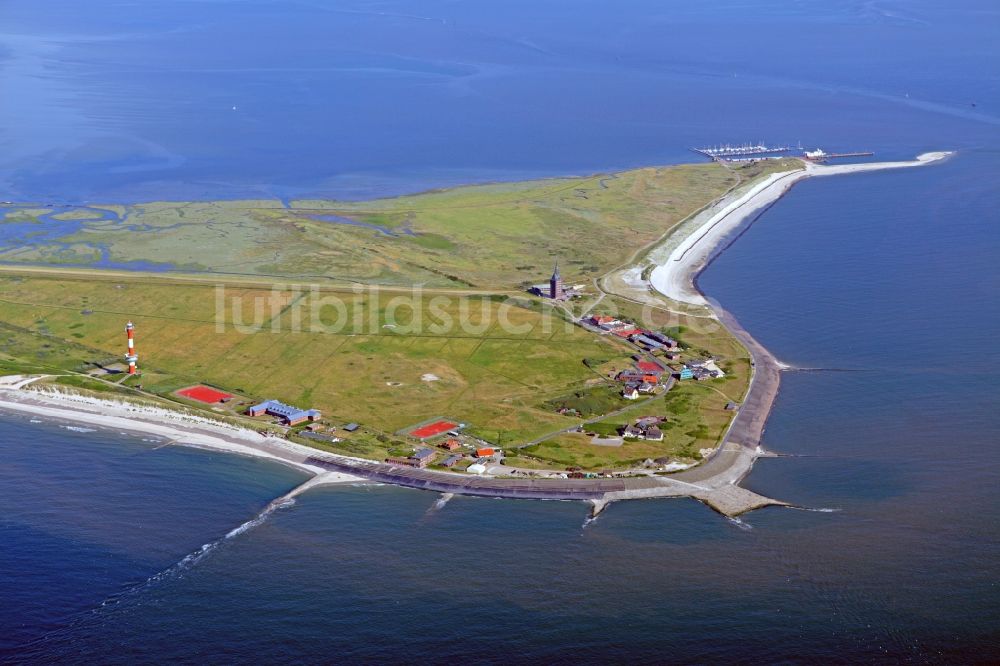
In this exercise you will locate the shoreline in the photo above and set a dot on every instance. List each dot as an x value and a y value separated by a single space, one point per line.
675 278
176 427
674 275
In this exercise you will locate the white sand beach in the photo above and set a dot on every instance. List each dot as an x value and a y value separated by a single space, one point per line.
674 275
178 428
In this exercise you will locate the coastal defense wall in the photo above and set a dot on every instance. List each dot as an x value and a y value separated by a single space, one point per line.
553 489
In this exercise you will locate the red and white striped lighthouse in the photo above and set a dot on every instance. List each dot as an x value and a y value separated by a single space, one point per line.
130 355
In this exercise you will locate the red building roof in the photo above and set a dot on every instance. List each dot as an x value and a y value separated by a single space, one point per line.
624 333
484 453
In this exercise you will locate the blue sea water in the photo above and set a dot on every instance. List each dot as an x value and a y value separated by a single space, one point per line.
115 549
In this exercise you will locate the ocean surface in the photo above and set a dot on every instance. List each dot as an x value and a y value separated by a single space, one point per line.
880 289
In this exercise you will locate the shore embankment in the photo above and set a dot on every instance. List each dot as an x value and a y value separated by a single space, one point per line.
184 429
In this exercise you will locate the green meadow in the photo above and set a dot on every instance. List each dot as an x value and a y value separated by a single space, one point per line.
356 340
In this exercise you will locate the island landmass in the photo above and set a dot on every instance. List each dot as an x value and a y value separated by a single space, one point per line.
555 348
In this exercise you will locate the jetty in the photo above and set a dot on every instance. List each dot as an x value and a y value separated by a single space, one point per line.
820 155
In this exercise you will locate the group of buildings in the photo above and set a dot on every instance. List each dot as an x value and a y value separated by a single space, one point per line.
423 457
647 427
700 370
644 378
653 341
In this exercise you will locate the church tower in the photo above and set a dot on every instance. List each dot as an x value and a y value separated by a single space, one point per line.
555 284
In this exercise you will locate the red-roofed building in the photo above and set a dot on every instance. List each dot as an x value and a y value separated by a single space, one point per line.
627 332
651 379
485 453
451 445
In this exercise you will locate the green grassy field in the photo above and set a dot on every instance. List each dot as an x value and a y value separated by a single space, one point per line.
492 376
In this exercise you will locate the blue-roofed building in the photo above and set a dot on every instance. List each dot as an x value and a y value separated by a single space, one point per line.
288 414
687 373
647 341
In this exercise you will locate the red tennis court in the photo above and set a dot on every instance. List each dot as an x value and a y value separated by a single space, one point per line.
432 429
204 394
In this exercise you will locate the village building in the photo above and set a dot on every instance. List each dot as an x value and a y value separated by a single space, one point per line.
423 457
645 428
649 368
665 340
288 414
420 459
606 322
629 376
451 461
630 392
640 338
633 432
450 445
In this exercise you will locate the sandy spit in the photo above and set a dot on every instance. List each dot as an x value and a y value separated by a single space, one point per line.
674 275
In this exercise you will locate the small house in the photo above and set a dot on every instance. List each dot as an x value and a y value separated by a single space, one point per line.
632 432
423 457
450 445
654 434
630 392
